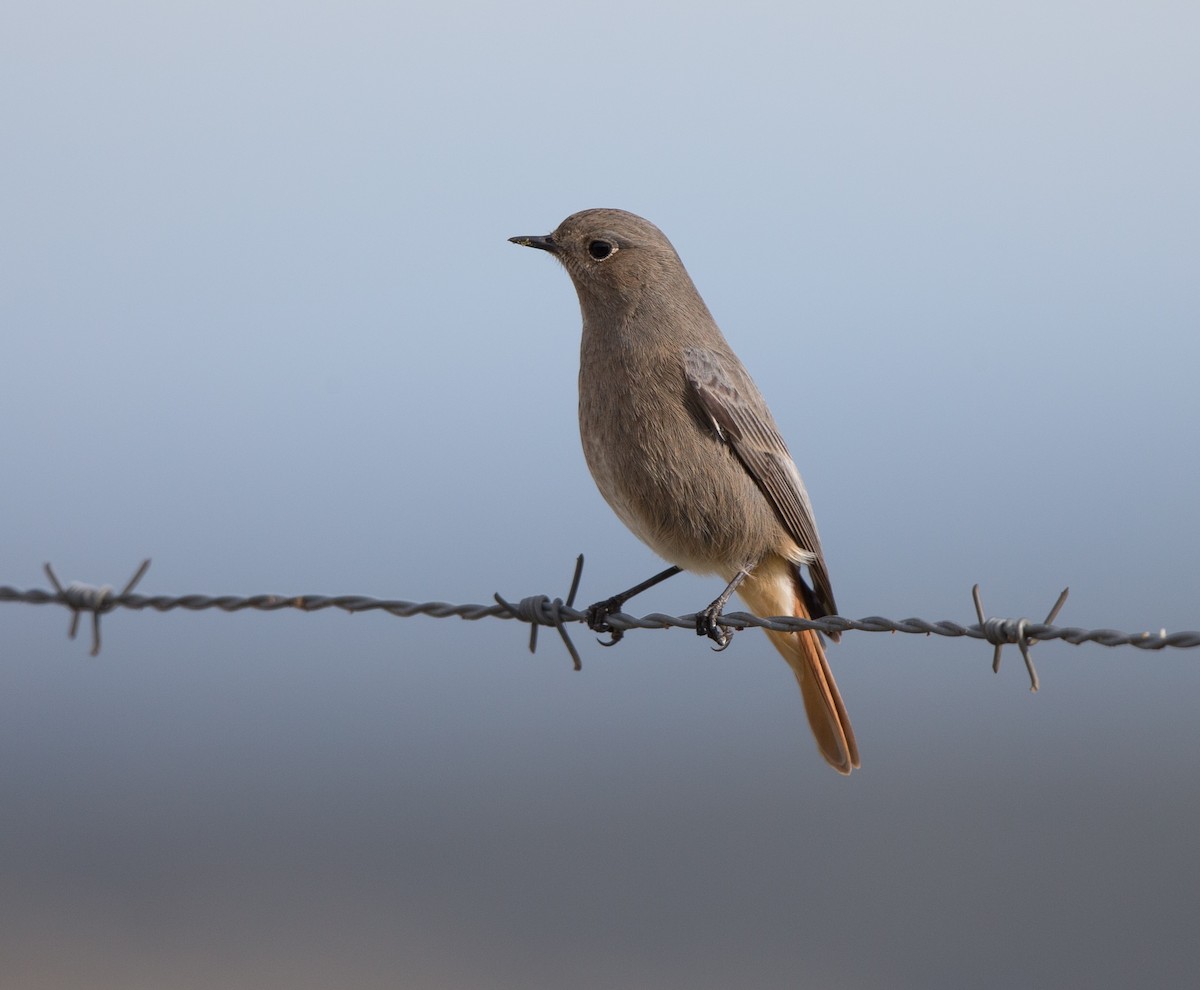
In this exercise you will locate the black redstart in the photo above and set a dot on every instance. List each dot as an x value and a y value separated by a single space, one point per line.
685 450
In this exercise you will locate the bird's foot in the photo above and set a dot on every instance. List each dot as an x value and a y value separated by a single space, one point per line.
707 625
597 615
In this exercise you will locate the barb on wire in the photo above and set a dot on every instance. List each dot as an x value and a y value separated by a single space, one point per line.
79 598
1003 631
539 610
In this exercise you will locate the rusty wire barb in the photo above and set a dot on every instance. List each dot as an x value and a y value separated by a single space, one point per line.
540 610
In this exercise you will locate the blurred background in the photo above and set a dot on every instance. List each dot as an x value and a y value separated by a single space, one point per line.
259 321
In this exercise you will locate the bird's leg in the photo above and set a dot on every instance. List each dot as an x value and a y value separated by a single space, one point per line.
597 615
706 621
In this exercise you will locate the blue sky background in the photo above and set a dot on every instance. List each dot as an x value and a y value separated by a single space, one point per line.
259 322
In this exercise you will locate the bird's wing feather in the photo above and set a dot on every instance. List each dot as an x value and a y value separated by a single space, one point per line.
739 415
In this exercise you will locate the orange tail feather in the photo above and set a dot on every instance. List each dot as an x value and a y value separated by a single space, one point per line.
770 590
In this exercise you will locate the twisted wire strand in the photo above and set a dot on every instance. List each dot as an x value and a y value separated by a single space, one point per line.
540 610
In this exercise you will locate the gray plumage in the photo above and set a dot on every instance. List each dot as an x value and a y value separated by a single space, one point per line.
683 447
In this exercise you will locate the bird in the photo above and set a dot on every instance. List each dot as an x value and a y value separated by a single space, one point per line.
683 447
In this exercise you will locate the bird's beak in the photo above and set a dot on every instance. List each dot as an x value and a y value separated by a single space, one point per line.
543 242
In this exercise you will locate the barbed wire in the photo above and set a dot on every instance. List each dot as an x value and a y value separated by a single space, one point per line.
541 610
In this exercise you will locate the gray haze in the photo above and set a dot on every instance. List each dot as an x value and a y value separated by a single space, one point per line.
260 322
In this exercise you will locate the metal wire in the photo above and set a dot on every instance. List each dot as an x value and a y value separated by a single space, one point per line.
540 610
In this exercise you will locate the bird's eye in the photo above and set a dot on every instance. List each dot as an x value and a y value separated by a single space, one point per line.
601 249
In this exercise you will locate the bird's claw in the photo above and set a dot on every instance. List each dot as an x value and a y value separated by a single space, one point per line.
596 617
707 625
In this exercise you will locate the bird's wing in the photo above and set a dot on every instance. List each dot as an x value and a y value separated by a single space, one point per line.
739 415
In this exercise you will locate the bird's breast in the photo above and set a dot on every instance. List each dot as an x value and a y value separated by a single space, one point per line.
663 469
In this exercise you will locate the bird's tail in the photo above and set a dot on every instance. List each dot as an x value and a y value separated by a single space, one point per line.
771 589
